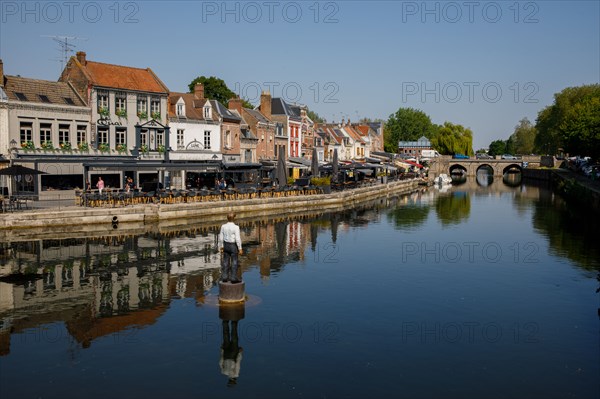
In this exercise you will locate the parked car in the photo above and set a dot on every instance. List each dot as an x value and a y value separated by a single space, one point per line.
483 155
509 156
592 171
460 156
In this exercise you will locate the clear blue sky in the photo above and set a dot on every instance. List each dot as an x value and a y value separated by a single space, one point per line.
482 64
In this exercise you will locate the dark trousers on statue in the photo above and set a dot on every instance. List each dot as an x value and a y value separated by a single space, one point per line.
229 264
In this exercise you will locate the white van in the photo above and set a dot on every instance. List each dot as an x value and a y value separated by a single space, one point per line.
429 154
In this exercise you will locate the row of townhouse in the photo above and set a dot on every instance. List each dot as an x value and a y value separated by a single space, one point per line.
351 141
119 122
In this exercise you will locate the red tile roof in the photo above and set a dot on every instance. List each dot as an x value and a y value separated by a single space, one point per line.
363 129
123 77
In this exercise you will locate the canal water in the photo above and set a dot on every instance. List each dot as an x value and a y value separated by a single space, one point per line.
470 291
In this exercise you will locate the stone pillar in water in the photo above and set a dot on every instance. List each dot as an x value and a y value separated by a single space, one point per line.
232 292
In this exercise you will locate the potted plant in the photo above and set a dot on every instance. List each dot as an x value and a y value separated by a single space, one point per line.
121 148
143 115
324 183
47 145
121 113
83 146
103 111
65 146
382 177
161 149
28 145
104 147
144 148
155 115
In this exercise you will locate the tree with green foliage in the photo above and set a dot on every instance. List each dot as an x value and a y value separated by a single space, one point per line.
314 116
406 124
216 89
572 122
453 139
510 145
497 147
523 138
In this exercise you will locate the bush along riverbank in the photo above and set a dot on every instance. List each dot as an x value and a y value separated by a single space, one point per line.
576 189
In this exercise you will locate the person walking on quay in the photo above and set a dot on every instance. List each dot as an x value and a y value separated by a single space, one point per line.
230 245
100 185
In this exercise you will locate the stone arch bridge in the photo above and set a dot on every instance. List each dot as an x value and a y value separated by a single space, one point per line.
447 164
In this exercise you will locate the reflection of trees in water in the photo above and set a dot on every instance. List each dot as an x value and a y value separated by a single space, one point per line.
454 208
409 217
571 232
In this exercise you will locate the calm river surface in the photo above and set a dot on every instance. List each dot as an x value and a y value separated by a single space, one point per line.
470 292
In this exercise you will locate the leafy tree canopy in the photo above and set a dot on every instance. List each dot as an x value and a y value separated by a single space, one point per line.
522 140
497 147
453 139
314 116
572 122
216 89
406 124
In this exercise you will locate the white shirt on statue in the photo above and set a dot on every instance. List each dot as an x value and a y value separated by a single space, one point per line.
230 232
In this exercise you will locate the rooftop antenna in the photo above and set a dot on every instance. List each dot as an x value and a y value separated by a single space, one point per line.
65 47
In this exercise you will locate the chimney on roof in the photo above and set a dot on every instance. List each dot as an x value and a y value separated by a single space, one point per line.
1 73
235 104
265 104
199 91
81 57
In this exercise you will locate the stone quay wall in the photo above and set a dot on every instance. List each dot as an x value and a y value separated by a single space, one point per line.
133 217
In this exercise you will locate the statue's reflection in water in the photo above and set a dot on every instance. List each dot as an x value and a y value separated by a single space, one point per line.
231 351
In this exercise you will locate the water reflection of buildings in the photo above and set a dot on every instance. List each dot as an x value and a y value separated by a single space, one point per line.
103 285
91 305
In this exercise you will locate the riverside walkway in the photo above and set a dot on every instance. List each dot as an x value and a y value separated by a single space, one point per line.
81 218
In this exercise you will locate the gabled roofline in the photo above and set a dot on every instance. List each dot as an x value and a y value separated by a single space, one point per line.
76 93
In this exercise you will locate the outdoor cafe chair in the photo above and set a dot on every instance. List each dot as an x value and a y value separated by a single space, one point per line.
230 194
149 197
176 196
164 197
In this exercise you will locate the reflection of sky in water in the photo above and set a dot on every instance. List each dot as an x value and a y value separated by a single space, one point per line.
485 176
470 291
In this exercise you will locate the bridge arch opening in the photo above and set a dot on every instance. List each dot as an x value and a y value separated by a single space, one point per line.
458 173
484 175
512 168
512 175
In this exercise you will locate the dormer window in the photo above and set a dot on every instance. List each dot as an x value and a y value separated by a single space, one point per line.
180 110
207 113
